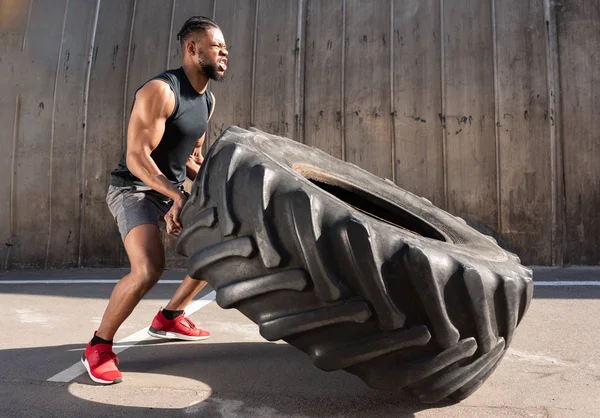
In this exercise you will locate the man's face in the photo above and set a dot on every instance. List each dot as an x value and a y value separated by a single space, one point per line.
212 54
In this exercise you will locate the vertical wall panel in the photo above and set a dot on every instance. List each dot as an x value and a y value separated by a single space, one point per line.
470 110
35 125
149 45
418 98
368 130
67 138
234 94
101 241
13 24
524 130
579 46
275 67
323 77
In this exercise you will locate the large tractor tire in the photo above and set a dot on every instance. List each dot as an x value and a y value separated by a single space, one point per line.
356 272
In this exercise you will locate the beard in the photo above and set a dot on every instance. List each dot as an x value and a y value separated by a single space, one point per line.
210 69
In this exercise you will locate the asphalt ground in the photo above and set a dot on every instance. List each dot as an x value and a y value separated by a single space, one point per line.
47 316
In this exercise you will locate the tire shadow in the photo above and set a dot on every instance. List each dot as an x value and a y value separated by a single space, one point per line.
252 379
268 379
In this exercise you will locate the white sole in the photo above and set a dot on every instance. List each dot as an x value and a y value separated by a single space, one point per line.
95 379
173 336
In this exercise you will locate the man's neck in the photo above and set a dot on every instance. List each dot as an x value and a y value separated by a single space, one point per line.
197 79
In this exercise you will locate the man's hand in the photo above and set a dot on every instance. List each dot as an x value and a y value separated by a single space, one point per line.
172 216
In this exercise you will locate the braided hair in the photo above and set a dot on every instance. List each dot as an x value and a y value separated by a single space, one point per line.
195 24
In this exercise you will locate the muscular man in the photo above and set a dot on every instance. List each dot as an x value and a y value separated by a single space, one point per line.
164 140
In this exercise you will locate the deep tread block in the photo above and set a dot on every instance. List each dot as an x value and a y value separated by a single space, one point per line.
229 295
358 250
206 218
350 311
481 309
259 188
200 187
430 291
526 297
225 164
345 355
238 247
436 388
469 388
404 374
511 293
301 212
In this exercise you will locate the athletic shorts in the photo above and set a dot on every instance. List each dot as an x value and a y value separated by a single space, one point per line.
131 207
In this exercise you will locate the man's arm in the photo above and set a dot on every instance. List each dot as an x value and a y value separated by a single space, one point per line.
154 103
196 159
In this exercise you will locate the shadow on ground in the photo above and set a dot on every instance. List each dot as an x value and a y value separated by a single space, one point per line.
244 380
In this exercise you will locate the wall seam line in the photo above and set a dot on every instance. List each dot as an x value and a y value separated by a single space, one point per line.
443 110
392 92
343 84
500 227
13 174
24 42
253 83
298 98
209 125
557 172
86 95
52 127
126 84
170 34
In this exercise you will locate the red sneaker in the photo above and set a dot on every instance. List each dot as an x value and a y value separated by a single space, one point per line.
179 328
101 364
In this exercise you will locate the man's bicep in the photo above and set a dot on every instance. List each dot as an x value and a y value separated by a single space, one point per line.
153 104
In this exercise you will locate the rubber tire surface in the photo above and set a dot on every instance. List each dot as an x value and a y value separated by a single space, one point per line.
432 311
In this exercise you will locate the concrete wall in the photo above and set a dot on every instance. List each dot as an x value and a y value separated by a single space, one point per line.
486 107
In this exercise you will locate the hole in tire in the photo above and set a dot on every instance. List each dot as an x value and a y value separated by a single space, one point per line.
378 208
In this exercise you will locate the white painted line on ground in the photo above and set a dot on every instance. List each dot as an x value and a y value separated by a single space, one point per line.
82 281
566 284
78 369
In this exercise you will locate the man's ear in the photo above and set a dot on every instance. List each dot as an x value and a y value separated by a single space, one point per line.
191 47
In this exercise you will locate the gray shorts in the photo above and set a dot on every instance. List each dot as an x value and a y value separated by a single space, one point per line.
132 207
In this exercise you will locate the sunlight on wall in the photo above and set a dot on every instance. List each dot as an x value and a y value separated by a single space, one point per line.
9 12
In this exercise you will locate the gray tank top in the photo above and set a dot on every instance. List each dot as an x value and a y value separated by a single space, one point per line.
183 128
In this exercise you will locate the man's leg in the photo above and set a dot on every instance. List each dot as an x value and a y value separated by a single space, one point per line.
147 258
171 323
184 294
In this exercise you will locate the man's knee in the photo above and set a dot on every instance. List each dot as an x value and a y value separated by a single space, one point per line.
146 254
148 273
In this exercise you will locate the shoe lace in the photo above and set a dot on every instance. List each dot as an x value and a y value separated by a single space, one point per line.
190 323
107 355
